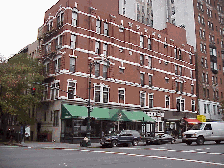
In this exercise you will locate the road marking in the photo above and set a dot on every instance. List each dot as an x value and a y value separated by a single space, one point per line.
122 153
84 150
109 152
214 153
69 149
129 148
99 151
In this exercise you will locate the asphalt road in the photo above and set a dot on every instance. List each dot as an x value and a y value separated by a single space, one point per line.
167 155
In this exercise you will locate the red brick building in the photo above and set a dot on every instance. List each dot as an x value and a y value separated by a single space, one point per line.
134 67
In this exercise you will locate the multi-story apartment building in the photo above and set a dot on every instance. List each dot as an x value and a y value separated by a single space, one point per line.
133 67
203 22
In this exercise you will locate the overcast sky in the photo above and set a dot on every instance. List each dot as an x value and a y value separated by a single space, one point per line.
20 20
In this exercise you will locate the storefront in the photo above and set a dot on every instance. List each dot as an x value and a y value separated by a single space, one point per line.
102 121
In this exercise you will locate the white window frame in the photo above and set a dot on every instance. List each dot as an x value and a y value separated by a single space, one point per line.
45 94
72 65
122 94
97 47
47 67
149 44
105 48
101 92
57 64
141 41
98 26
58 41
150 82
193 105
55 86
182 103
142 97
105 29
151 98
71 88
60 22
150 62
74 17
167 99
73 41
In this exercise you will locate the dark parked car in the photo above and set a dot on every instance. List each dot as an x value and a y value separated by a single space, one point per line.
160 139
124 137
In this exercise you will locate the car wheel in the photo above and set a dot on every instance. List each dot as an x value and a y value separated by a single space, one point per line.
200 140
135 142
173 141
114 143
218 142
188 142
159 142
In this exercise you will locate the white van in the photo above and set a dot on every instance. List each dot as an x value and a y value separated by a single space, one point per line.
206 131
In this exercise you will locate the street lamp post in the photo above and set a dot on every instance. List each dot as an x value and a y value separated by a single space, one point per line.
88 107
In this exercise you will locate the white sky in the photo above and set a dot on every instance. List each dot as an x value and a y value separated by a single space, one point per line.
20 20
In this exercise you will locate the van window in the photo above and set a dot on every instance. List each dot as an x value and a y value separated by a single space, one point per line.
208 127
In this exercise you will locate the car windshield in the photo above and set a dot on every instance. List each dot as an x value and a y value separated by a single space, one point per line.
198 126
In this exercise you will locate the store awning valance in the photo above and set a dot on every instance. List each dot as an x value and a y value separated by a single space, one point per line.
74 111
134 116
192 120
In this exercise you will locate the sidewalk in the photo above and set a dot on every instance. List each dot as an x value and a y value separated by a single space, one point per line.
56 145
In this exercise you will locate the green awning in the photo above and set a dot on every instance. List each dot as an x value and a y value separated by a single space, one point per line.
73 111
134 116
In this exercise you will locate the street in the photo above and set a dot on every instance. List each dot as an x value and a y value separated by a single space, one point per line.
73 156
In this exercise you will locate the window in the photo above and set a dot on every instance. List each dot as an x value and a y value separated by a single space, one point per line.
47 68
180 70
60 19
98 24
193 105
150 100
141 41
101 93
203 77
105 71
45 92
97 47
175 52
50 25
142 79
57 65
74 17
167 101
105 49
206 78
141 59
56 118
176 69
199 18
206 64
142 99
190 57
105 95
149 44
73 41
204 92
180 104
55 90
212 51
121 93
97 93
58 42
177 86
45 116
48 48
150 62
207 93
72 64
150 80
180 56
105 29
205 109
97 70
71 89
214 109
192 89
181 86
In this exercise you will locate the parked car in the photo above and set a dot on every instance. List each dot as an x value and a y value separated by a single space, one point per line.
206 131
161 139
124 137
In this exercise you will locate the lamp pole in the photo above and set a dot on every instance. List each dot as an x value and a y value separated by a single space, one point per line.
88 107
